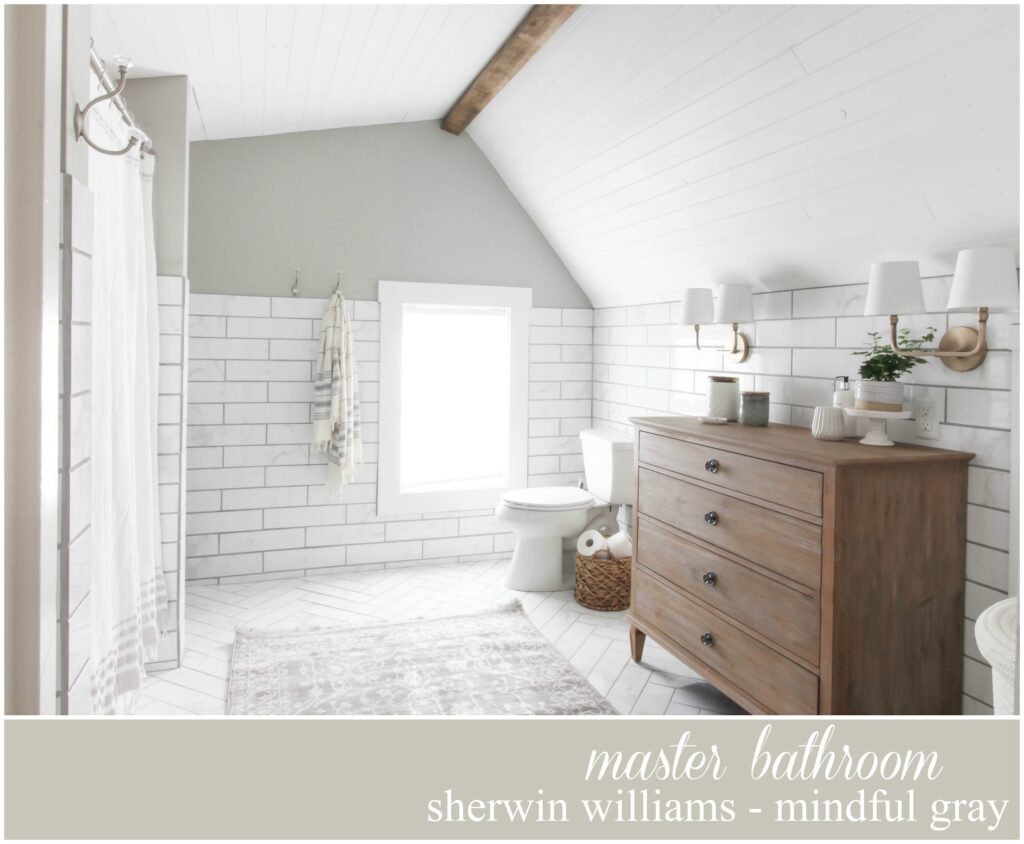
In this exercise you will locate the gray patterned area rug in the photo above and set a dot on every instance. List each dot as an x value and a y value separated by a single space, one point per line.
491 663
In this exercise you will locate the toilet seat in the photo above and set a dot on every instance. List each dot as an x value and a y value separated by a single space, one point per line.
548 499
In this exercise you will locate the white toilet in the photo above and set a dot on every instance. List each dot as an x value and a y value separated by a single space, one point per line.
544 517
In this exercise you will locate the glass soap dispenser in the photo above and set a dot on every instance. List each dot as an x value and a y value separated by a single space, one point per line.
843 397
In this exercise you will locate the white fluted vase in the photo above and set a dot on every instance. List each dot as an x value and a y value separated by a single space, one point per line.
828 423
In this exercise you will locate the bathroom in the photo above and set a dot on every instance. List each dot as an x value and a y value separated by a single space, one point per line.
517 289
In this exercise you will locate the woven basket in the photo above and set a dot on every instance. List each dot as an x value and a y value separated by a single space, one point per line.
602 582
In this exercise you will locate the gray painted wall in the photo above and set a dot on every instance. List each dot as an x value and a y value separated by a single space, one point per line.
160 106
400 201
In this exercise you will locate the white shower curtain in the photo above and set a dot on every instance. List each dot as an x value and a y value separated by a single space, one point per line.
129 596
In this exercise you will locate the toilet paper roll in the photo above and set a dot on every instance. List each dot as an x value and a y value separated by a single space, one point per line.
590 542
620 546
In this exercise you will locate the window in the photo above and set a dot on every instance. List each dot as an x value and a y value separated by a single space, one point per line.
453 395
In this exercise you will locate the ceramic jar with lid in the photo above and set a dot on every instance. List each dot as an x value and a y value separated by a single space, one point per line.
754 408
724 397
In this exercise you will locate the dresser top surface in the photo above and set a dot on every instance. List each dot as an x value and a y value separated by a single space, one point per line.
778 440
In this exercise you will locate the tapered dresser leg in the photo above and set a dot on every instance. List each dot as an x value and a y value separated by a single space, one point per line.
636 642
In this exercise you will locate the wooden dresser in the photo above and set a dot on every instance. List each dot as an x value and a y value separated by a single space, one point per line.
802 576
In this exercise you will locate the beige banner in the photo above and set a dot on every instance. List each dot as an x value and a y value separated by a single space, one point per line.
808 778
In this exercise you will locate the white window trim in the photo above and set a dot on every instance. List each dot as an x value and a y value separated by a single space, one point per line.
393 295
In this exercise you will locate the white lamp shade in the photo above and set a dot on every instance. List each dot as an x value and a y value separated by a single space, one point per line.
698 307
734 304
984 278
894 287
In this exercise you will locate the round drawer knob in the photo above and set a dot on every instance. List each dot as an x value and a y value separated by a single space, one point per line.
710 578
707 640
711 518
711 466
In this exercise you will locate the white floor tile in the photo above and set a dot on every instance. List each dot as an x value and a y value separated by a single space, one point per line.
595 642
627 688
653 700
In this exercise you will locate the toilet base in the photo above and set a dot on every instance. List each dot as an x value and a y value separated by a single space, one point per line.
536 564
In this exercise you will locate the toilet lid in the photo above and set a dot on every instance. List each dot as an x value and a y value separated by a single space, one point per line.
548 498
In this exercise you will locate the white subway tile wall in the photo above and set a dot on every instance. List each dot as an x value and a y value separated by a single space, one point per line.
646 364
256 502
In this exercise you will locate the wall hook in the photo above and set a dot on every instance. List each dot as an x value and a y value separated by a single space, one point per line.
295 287
337 288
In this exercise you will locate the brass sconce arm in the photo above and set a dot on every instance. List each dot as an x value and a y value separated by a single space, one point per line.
961 348
740 351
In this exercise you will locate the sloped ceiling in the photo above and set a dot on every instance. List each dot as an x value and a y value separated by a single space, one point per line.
660 147
656 147
263 70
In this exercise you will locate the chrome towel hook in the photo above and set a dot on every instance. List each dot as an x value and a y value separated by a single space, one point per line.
295 287
81 113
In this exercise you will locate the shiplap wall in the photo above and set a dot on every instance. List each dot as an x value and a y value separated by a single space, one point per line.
256 502
645 364
76 451
679 145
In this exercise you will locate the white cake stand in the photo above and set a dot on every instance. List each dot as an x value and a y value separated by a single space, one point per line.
876 424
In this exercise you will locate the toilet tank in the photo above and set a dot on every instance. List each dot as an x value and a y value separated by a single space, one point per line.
608 463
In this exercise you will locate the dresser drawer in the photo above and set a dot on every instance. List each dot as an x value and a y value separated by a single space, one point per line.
781 543
783 615
799 489
779 684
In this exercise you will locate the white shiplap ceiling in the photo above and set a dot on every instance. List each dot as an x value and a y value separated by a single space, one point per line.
260 70
656 146
659 147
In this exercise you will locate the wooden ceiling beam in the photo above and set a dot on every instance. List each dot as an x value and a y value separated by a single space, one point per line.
536 28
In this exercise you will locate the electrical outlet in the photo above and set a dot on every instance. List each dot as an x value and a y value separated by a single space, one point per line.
926 423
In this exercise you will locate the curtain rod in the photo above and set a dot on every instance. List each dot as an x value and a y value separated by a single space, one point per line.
114 94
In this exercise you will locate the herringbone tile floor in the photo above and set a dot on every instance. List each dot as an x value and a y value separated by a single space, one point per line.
596 643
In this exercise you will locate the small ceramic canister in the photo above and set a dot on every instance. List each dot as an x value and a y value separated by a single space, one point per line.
724 397
828 423
754 408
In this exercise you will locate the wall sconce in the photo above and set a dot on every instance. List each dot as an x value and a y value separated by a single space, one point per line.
984 280
698 308
735 305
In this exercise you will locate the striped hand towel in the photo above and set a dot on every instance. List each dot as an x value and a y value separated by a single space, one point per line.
336 429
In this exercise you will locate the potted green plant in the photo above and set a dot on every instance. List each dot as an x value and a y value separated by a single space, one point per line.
879 387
